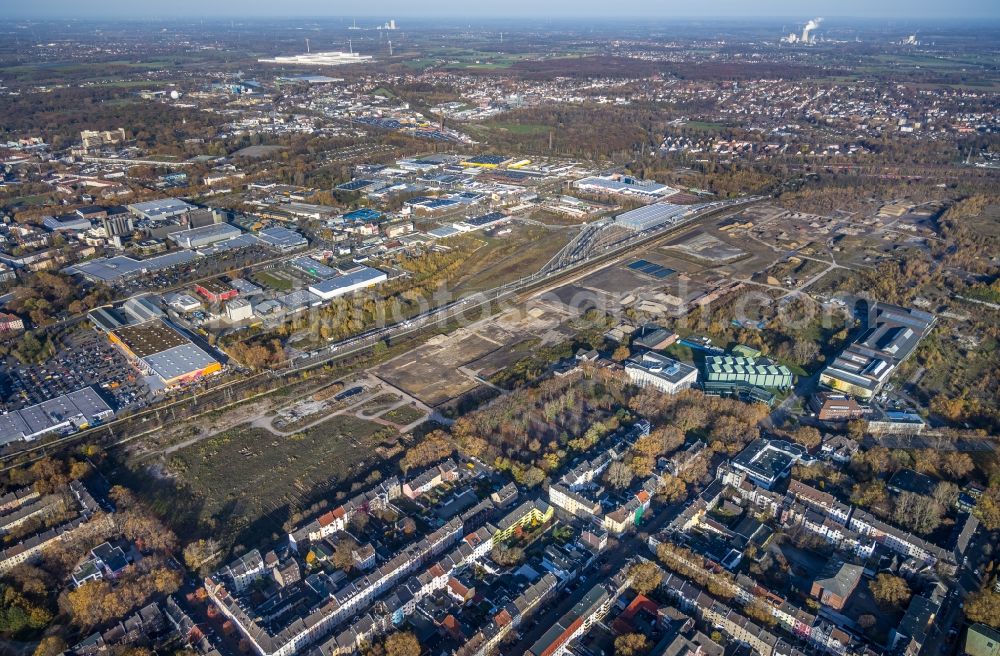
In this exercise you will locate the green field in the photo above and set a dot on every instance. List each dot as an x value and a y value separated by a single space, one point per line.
704 125
404 415
245 480
508 257
279 283
521 128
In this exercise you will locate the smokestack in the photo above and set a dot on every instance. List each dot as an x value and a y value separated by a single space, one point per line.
810 26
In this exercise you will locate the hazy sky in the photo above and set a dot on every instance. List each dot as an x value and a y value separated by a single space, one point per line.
656 9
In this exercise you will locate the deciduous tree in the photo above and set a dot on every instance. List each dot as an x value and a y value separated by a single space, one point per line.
646 576
889 591
618 475
631 644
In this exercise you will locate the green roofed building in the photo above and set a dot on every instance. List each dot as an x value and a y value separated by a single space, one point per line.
981 640
744 351
759 372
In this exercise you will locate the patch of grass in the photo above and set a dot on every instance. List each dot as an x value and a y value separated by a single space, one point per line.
521 128
704 125
505 258
245 475
680 352
404 415
273 281
379 403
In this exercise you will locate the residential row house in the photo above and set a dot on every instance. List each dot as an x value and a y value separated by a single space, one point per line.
819 634
447 574
486 641
31 548
868 526
336 520
591 609
446 472
632 511
528 513
346 602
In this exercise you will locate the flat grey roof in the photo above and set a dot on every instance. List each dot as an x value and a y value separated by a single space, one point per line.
220 230
649 216
161 206
362 275
298 299
121 266
443 231
313 267
178 361
244 240
661 366
281 237
84 404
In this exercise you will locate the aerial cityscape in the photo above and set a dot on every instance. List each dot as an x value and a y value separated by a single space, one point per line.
539 330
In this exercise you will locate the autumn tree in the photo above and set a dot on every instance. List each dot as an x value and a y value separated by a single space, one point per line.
646 576
917 512
139 525
857 429
402 643
51 646
956 464
758 609
435 446
945 494
507 555
988 508
631 644
621 353
873 495
984 607
618 475
672 488
18 613
200 553
807 436
889 591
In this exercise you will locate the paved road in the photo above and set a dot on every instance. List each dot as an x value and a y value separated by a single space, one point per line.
951 617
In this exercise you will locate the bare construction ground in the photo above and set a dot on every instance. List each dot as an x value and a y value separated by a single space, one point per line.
450 365
706 247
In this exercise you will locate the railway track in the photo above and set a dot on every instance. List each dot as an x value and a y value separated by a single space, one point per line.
134 426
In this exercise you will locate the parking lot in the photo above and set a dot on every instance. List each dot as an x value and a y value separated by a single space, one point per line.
84 358
203 267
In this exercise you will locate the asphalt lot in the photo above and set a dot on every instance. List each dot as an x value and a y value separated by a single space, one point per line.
84 358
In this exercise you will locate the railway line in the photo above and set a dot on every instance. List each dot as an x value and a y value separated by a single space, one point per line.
129 428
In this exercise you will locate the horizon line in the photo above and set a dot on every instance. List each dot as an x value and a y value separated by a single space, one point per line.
423 18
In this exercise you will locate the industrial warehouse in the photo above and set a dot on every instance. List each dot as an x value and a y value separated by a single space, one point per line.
349 282
652 216
160 352
76 410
